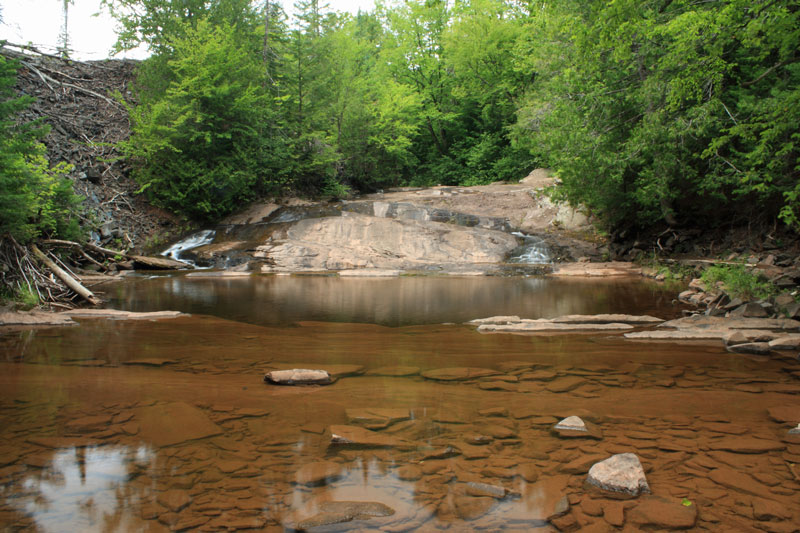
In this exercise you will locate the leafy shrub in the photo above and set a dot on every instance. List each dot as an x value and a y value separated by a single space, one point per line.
739 281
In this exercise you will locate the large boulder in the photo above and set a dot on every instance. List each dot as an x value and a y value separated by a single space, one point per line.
354 241
621 474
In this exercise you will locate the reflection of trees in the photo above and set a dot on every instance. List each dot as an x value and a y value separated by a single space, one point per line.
84 488
388 301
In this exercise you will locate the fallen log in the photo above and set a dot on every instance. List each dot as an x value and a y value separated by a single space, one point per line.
68 280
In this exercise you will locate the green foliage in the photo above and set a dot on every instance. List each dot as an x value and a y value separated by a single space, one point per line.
27 298
671 112
739 281
37 199
203 144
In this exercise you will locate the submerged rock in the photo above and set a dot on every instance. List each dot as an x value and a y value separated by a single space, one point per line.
458 373
363 438
377 417
621 473
752 348
485 489
332 513
663 514
319 473
298 376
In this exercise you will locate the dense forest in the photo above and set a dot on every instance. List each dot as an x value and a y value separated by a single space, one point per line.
650 112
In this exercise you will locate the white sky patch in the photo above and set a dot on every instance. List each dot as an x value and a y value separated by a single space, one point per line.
38 22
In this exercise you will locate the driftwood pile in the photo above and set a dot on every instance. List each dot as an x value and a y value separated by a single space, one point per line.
53 269
84 102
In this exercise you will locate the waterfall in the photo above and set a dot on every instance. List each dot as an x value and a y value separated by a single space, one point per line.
533 250
192 241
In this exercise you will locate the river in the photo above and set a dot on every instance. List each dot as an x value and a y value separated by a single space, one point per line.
167 425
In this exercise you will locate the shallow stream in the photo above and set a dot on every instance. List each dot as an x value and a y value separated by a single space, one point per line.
166 425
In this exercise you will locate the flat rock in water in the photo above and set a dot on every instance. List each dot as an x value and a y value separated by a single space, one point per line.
788 342
116 314
485 489
574 426
607 319
752 348
394 371
565 384
149 362
298 376
745 445
496 320
376 417
355 436
458 373
370 273
173 423
533 326
603 270
331 513
621 473
158 263
35 318
470 508
785 413
730 478
663 514
319 473
543 501
409 473
722 323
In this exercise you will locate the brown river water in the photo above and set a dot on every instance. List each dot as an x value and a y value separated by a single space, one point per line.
167 425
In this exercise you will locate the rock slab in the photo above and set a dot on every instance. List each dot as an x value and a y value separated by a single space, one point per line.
621 473
298 376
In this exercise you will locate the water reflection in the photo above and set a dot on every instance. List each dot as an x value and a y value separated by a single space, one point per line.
82 488
394 301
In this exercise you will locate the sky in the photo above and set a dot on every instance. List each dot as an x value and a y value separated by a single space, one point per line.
38 22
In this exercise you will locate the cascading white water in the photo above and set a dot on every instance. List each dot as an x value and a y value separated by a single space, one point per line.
192 241
533 250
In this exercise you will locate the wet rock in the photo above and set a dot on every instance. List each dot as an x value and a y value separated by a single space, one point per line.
173 423
749 310
149 362
576 427
735 337
727 477
369 273
116 314
458 373
788 342
354 436
409 473
722 323
496 320
320 473
498 385
621 474
394 371
582 464
298 376
795 431
331 513
478 440
751 348
565 384
35 318
572 423
174 500
354 241
611 269
470 508
378 417
607 319
663 514
528 471
745 445
485 489
768 510
499 432
541 325
785 413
